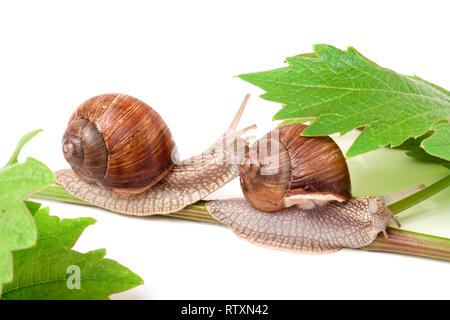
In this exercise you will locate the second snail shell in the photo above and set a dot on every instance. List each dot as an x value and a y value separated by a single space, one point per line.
284 168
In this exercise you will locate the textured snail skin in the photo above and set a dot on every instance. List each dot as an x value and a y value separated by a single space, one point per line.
186 183
323 229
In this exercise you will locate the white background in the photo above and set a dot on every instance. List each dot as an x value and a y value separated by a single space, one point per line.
181 57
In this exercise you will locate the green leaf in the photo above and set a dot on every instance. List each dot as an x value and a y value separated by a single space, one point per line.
291 121
19 147
44 271
17 228
32 206
47 270
343 90
415 150
439 143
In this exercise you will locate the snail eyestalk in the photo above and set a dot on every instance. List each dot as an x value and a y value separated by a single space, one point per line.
245 130
238 115
396 221
401 194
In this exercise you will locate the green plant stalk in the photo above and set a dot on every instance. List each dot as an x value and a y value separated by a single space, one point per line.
420 196
398 241
407 242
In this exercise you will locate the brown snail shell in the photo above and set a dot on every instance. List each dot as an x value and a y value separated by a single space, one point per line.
283 169
119 143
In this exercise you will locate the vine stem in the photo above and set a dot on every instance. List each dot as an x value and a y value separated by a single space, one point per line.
398 241
420 196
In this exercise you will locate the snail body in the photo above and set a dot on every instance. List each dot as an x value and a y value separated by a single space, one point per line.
302 203
324 229
145 180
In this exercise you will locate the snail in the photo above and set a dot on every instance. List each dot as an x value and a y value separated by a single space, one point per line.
123 159
302 203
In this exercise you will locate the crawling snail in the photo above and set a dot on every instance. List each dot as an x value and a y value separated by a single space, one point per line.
122 158
303 203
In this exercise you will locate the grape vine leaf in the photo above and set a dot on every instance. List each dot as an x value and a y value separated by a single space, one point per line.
439 143
17 227
343 90
48 270
414 149
20 145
